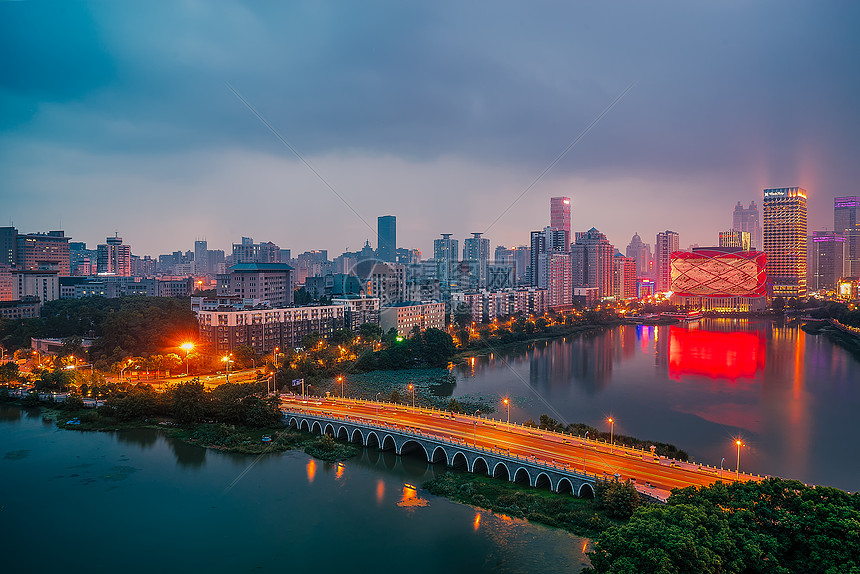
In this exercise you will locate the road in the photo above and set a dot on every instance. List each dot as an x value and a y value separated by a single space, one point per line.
655 475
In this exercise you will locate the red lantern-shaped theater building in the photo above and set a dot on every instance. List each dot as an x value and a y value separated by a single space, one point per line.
723 279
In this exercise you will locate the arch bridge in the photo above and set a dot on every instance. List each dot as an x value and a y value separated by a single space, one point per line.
455 453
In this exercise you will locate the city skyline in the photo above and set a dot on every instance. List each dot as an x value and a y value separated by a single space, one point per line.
133 127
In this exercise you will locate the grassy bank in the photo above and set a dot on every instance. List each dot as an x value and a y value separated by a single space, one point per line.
583 517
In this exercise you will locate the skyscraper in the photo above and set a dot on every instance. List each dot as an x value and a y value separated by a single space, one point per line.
826 252
785 240
43 251
846 222
641 253
386 228
201 257
476 250
113 257
748 220
592 261
559 217
667 243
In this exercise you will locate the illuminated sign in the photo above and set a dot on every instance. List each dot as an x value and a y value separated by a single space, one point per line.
711 273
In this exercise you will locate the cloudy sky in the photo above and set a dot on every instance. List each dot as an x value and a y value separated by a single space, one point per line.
122 117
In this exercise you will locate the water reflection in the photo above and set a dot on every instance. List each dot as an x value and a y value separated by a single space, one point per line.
142 438
188 455
715 354
10 413
312 470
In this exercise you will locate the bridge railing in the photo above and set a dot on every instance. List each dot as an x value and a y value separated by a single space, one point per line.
564 437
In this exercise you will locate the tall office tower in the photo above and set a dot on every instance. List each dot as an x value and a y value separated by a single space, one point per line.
826 252
201 257
592 261
113 257
245 252
558 278
446 253
641 253
846 222
734 238
748 220
559 217
8 246
550 240
269 253
43 251
522 255
667 243
785 240
386 228
538 247
476 250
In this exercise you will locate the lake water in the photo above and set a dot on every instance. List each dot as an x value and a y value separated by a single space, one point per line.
134 501
792 398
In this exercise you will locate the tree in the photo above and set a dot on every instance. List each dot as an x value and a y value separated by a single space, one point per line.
369 332
189 401
778 304
245 356
619 499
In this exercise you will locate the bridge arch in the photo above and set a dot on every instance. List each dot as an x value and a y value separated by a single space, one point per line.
522 476
479 465
501 471
410 446
564 485
460 461
585 490
305 426
371 440
543 481
439 455
343 434
293 423
316 428
360 439
329 429
389 443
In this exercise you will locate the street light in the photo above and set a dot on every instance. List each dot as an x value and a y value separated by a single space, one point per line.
738 472
411 387
721 466
475 428
377 406
122 370
340 380
187 348
508 404
611 432
227 360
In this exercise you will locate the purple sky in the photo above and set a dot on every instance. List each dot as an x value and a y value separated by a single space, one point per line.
117 117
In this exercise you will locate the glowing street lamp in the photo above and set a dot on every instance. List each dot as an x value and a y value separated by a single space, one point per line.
122 370
611 432
226 359
187 348
377 406
508 404
738 471
340 380
583 451
475 428
411 387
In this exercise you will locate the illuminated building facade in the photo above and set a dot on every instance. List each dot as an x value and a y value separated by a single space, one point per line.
734 238
592 261
720 279
826 259
113 257
847 222
624 277
667 243
641 253
785 236
43 251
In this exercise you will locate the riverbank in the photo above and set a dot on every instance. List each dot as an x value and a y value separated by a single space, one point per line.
491 346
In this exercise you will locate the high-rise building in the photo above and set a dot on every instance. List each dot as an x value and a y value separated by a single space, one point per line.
114 257
733 238
559 217
476 250
386 229
847 222
785 238
201 257
522 254
641 253
8 246
446 253
826 258
624 277
270 282
592 262
667 243
550 240
43 252
748 220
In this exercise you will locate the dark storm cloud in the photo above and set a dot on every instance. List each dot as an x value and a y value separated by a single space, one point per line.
761 94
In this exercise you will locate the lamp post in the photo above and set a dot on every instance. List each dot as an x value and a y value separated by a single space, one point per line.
274 368
475 428
227 360
377 406
411 387
508 404
611 432
583 451
122 370
340 380
721 466
187 348
738 472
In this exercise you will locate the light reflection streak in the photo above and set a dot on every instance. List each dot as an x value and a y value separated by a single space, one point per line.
312 470
380 491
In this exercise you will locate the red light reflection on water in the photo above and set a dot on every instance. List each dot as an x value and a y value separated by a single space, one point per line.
714 354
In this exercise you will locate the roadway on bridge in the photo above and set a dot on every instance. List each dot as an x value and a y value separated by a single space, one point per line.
574 453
